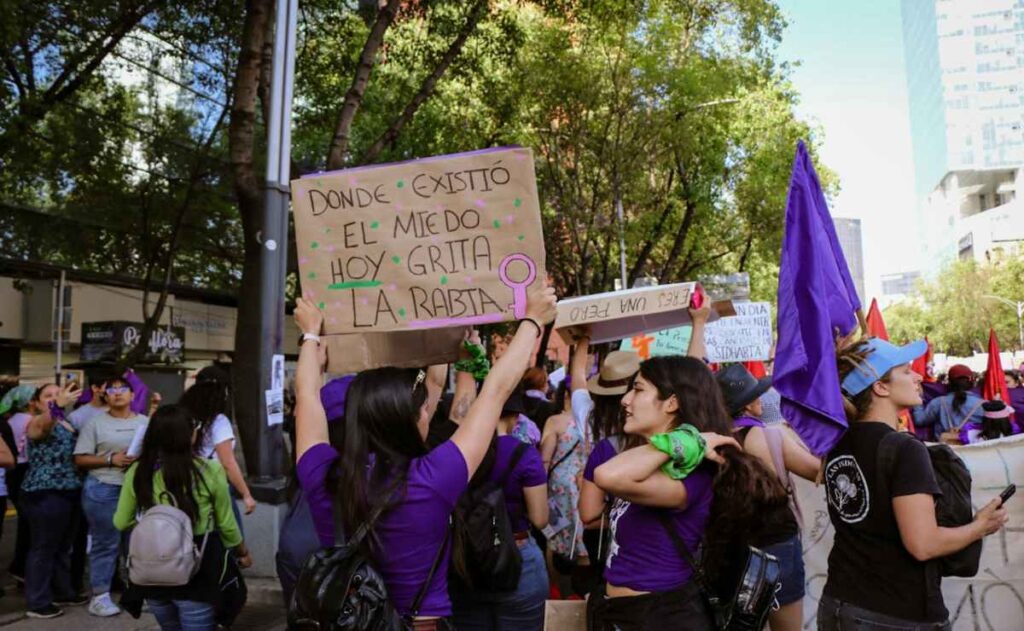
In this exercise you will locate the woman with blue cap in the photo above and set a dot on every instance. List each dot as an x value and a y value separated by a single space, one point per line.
881 571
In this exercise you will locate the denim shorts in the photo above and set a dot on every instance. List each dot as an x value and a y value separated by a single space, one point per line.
791 563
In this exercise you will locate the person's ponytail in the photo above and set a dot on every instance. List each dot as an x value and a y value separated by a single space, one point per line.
849 359
959 387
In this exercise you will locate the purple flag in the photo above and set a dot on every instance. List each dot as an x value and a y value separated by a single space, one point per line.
140 400
816 297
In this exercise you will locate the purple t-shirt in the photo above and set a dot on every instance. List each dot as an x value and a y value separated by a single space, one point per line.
642 555
603 451
410 533
529 472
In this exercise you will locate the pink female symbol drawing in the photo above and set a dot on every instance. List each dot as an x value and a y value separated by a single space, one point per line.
518 287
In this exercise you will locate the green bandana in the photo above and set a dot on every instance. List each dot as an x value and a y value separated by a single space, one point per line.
478 365
17 398
684 447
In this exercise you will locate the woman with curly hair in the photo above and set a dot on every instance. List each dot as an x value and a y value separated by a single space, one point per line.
649 584
881 571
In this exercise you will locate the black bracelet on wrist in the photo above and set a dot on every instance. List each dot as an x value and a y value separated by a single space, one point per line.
540 329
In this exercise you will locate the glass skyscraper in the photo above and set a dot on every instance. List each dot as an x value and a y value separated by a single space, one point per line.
965 84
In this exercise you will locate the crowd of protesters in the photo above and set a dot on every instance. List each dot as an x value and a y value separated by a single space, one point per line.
640 486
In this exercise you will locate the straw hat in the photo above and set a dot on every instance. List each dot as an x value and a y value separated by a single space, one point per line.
616 374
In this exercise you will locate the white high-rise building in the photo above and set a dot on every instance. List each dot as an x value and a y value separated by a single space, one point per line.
965 82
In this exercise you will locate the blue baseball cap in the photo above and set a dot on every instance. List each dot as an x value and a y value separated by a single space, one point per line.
881 358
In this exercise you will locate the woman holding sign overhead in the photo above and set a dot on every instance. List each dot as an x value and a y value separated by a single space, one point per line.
384 478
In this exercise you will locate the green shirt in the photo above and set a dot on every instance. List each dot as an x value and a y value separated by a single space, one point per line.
217 483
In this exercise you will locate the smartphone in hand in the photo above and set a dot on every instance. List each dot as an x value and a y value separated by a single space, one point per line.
1007 493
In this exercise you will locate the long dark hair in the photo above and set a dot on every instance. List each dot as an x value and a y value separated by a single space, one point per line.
381 411
959 387
167 447
205 401
744 489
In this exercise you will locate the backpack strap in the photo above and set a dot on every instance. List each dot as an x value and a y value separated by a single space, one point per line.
773 436
684 551
967 419
564 457
885 460
517 455
775 439
420 595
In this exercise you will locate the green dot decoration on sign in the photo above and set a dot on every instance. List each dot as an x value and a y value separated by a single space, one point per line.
327 231
444 280
497 224
312 275
321 305
375 225
396 259
401 311
517 203
400 184
314 245
521 237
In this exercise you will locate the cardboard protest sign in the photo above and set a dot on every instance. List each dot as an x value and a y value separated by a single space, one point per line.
994 598
746 336
446 241
668 342
402 349
615 315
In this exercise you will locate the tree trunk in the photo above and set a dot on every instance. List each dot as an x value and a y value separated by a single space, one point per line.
152 320
249 191
354 97
427 88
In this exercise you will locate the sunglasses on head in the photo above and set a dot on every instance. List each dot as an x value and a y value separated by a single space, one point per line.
118 389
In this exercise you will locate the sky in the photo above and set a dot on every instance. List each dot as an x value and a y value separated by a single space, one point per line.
852 83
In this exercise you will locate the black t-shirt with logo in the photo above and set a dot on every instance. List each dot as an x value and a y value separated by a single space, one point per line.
869 567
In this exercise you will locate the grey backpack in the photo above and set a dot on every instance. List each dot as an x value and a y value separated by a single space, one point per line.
161 550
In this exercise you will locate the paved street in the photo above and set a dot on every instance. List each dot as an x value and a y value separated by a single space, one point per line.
262 613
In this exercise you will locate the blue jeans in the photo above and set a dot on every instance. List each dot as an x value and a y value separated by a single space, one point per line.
790 554
99 501
836 615
53 518
182 615
520 610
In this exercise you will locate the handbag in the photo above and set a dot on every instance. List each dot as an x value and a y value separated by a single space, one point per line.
753 598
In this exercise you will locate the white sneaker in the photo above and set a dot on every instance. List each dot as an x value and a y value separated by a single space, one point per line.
103 607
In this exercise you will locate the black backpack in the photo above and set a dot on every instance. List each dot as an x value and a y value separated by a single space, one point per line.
485 556
339 589
752 588
952 509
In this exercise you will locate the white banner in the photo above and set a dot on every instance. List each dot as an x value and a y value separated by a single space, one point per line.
991 601
746 336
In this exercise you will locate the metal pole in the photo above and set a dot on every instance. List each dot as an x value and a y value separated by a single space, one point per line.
60 326
274 236
622 239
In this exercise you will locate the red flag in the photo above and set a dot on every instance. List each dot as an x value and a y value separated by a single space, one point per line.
995 378
876 326
920 365
756 368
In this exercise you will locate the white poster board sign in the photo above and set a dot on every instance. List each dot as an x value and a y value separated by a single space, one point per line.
992 600
746 336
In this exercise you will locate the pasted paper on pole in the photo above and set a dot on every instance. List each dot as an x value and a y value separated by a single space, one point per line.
439 242
994 598
616 315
